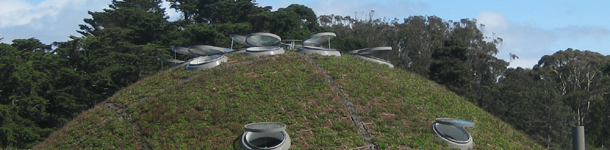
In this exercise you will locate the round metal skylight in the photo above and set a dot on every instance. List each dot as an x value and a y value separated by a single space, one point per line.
375 60
265 50
263 39
320 51
265 135
240 39
206 62
265 127
319 39
207 50
374 50
182 50
259 43
364 54
452 132
314 44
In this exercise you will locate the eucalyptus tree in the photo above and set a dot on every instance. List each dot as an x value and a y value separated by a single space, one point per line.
533 107
579 75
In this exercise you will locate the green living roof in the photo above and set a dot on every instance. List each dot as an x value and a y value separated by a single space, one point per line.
315 96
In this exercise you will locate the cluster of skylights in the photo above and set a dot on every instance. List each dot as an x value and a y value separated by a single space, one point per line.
260 44
272 135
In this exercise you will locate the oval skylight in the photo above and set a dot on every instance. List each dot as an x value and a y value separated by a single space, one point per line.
206 50
264 50
182 50
265 135
263 39
314 44
240 39
364 54
320 51
375 60
265 127
206 62
452 132
374 50
319 39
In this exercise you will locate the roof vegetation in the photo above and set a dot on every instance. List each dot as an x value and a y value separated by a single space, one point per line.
207 109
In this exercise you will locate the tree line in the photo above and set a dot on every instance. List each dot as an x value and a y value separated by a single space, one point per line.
565 89
44 86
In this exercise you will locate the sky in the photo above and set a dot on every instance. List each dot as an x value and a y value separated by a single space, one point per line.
530 29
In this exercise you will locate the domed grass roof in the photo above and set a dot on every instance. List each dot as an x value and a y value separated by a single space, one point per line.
326 102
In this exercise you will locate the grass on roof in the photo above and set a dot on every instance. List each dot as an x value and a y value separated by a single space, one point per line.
207 109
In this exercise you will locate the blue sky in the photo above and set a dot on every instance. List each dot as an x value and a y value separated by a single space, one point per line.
530 29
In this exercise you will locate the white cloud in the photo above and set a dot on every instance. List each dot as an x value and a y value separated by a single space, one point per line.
48 21
531 43
527 42
578 32
172 13
492 20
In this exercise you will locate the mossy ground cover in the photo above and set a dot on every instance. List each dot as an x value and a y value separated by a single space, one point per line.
206 109
398 107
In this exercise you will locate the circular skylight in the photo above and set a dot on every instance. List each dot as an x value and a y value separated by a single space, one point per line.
265 127
182 50
452 131
206 50
320 51
265 50
240 39
263 39
364 54
375 60
319 39
206 62
374 50
265 135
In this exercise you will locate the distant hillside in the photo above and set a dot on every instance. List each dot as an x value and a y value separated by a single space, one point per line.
207 109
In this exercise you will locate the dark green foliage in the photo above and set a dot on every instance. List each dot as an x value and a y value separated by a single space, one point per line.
294 22
580 78
39 92
450 67
346 44
533 107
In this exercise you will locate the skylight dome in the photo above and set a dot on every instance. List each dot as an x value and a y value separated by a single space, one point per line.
206 62
265 135
314 44
206 56
452 132
209 57
365 54
260 44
